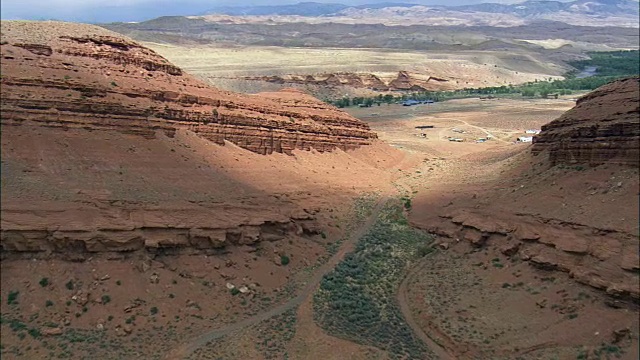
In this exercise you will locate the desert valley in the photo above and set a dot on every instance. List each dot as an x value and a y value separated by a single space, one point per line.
323 181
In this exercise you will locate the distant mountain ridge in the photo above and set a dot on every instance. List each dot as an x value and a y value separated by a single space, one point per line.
535 7
524 9
302 9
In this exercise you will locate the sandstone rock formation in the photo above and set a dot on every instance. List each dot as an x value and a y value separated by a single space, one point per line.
403 81
582 219
99 152
605 259
603 127
103 81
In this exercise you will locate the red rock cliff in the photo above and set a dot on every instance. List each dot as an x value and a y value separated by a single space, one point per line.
60 77
604 126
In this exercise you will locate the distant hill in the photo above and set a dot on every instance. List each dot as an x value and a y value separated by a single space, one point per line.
527 9
302 9
577 12
534 8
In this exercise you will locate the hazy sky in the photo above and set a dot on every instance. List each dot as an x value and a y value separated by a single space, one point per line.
134 10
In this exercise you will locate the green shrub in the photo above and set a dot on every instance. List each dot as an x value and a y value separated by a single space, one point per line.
44 282
407 203
13 297
17 325
154 310
284 260
106 299
235 291
35 333
48 303
69 285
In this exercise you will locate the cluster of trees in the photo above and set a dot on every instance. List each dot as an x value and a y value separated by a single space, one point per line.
609 67
384 99
610 63
364 101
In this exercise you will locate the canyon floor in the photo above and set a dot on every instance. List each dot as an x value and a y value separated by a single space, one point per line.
460 300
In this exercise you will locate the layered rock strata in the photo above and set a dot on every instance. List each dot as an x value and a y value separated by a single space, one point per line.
404 81
93 159
602 258
603 127
99 81
64 230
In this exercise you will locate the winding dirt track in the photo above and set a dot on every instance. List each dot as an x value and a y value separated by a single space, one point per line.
441 352
186 349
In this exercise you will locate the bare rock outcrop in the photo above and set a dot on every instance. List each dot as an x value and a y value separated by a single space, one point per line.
403 81
580 220
104 81
602 258
177 229
103 150
604 126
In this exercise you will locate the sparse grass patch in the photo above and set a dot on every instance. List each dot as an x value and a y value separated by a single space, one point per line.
274 334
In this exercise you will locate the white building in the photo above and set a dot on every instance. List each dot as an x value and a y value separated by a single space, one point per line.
525 139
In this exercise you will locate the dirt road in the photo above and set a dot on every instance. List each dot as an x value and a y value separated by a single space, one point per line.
186 349
441 351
